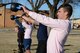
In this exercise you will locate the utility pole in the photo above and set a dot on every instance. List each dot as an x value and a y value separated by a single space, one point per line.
2 15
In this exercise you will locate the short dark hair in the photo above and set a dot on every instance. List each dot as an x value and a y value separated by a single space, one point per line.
17 27
68 8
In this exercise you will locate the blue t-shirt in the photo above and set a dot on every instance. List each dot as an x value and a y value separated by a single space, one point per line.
42 32
21 28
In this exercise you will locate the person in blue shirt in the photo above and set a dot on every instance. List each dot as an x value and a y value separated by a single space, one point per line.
42 38
20 34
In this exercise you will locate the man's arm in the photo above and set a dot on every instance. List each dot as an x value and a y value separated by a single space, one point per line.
48 21
28 19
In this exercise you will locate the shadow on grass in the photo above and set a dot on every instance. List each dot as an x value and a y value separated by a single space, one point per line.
33 49
75 34
34 46
66 49
15 51
68 45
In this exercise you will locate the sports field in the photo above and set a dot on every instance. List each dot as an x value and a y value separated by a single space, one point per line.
8 41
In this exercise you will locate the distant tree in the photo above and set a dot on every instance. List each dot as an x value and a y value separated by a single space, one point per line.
53 7
1 1
14 0
36 4
7 1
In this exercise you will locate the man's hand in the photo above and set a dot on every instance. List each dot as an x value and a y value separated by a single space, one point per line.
25 10
28 19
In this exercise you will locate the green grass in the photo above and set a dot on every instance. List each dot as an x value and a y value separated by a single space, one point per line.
8 42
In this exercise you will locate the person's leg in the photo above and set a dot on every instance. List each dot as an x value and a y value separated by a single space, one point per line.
20 47
20 42
27 51
41 46
27 44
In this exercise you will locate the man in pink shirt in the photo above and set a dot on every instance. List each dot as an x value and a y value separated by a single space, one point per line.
60 27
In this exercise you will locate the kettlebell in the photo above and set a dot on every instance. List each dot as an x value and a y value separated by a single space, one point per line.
14 7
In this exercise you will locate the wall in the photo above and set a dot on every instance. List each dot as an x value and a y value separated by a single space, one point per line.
5 21
2 17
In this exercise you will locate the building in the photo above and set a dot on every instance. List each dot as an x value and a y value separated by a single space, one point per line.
5 21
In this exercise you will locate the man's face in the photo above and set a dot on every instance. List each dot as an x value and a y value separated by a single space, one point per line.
62 14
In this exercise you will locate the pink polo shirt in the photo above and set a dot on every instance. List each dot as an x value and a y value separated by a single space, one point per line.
58 34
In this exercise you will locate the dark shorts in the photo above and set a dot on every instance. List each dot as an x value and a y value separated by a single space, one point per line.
27 44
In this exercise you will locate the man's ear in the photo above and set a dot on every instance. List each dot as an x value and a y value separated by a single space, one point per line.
66 13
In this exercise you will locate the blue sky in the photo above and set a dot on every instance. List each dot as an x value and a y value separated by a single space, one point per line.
76 12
